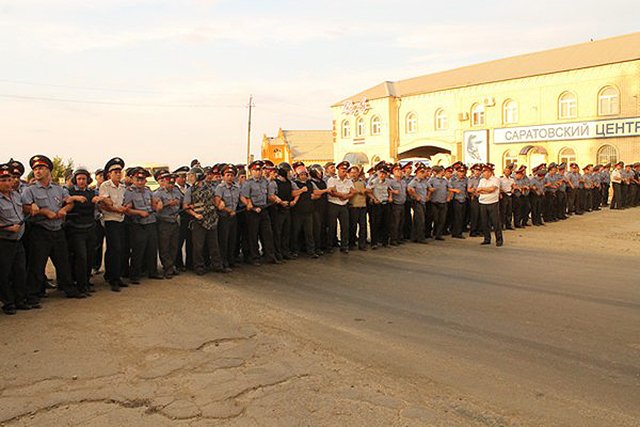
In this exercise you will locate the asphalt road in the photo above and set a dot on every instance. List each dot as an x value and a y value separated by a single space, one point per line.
545 330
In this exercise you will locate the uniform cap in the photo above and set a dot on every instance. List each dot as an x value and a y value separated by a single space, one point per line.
40 160
16 166
181 169
256 164
343 164
6 170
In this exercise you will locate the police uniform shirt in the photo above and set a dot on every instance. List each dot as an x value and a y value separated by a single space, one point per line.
230 195
595 179
562 183
140 199
51 197
550 179
506 184
538 183
342 186
11 214
459 184
256 190
399 185
441 187
605 178
116 194
586 181
380 189
168 213
420 187
520 183
574 178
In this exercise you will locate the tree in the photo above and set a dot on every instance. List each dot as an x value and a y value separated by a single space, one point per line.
61 169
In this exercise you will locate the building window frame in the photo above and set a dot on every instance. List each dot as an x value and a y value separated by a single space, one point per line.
567 105
567 155
611 156
609 105
509 156
477 114
411 123
441 119
360 127
345 129
376 125
510 110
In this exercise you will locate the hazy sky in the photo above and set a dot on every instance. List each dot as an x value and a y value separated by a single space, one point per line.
165 81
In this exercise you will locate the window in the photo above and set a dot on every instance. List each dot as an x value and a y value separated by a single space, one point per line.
567 155
567 106
346 129
441 119
607 154
509 157
277 153
411 125
608 101
510 112
360 126
477 115
376 125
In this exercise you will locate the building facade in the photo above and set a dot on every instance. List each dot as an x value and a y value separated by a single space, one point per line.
308 146
578 103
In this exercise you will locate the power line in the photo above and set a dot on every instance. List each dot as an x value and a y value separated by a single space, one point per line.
102 89
126 104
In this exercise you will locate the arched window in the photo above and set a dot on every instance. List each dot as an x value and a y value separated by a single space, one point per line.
509 157
346 129
359 126
277 153
607 154
509 112
567 106
411 123
376 125
567 155
441 119
477 115
608 101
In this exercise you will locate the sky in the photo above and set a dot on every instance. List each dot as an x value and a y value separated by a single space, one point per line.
163 82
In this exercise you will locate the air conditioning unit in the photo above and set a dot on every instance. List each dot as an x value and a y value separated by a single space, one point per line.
489 102
463 116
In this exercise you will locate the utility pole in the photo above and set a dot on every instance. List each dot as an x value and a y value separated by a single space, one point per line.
251 105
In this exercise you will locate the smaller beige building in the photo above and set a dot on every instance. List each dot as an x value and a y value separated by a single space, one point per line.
308 146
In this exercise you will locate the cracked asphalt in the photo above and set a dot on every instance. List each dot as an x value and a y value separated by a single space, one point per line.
543 331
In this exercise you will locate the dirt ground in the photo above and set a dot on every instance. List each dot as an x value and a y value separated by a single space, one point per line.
544 331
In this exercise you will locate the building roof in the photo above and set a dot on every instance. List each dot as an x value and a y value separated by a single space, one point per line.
601 52
310 144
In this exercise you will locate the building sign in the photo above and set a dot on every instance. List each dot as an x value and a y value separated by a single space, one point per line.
476 146
568 131
356 108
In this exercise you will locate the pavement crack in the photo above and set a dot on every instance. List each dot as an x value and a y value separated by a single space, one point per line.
267 385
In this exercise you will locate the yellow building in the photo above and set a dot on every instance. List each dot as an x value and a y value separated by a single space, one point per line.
308 146
576 103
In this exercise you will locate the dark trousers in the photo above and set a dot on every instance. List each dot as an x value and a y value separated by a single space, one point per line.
605 194
572 194
562 204
358 227
45 244
320 226
380 214
408 221
418 231
184 259
587 199
227 232
113 257
242 237
549 210
474 217
428 220
490 217
144 249
579 200
302 222
628 198
168 239
536 208
99 245
339 213
13 273
397 223
81 243
201 238
596 198
259 230
516 205
281 219
459 209
439 218
506 210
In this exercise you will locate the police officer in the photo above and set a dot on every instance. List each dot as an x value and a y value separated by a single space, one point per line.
288 193
438 187
320 208
302 215
379 191
358 211
550 189
417 189
341 190
605 181
99 225
141 208
474 205
506 196
398 200
536 194
13 270
168 220
227 198
521 198
562 191
255 195
616 182
407 176
48 204
489 198
572 179
459 185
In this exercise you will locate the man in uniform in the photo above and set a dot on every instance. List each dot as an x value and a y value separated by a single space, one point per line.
562 191
408 206
287 192
605 181
521 197
99 227
48 204
489 198
184 261
459 184
341 190
329 170
168 217
417 189
303 213
616 181
536 194
358 211
227 198
550 189
13 270
586 184
474 205
398 201
506 200
379 191
439 194
320 209
597 188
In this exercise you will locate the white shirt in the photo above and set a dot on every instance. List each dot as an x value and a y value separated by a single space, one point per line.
116 194
506 184
616 176
342 187
494 196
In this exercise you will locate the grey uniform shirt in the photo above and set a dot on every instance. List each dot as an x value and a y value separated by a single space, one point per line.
459 184
472 183
140 199
574 178
538 183
605 178
562 183
380 189
168 213
11 214
420 187
520 183
550 179
230 195
441 186
51 197
401 186
257 191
